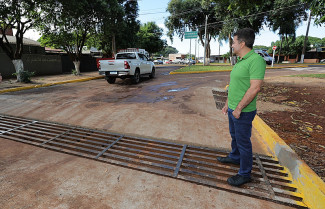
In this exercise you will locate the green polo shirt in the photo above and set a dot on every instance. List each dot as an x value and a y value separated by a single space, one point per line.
250 67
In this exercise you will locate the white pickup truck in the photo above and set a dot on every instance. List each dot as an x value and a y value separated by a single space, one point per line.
127 65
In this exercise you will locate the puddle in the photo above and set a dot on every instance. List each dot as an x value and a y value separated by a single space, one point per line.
164 73
157 87
177 90
146 99
160 99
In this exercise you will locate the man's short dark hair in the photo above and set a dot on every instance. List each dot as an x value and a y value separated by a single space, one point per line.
247 35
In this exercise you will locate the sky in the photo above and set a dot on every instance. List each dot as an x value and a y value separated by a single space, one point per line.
155 11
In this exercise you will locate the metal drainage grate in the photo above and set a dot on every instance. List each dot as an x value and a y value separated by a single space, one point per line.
186 162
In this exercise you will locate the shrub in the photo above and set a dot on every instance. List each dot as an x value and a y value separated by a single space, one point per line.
25 76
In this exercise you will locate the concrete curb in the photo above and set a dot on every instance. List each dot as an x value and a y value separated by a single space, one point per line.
49 84
309 184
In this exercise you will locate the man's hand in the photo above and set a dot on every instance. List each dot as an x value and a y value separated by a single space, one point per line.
225 109
236 113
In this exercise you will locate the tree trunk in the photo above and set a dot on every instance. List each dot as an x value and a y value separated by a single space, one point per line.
231 57
77 66
113 46
207 52
19 66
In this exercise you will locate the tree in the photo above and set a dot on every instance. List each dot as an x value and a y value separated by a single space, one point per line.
118 30
285 18
317 8
292 46
237 14
20 15
68 24
261 47
316 42
166 51
149 37
190 15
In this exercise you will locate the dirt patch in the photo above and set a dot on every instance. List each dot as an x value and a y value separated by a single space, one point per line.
294 109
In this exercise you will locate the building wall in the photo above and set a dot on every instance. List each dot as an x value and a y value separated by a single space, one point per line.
40 64
176 56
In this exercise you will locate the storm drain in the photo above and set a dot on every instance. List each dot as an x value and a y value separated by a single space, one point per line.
186 162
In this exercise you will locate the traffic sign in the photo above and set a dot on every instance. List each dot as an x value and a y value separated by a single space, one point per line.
274 47
191 34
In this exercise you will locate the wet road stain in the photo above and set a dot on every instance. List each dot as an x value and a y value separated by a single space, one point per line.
146 99
177 90
157 87
160 99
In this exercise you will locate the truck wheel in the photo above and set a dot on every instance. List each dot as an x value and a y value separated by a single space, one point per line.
111 80
136 77
153 73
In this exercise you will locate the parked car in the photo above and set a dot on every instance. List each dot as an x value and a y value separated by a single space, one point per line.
265 55
322 61
127 65
158 62
177 61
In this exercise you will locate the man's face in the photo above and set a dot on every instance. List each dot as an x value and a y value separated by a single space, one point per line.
237 45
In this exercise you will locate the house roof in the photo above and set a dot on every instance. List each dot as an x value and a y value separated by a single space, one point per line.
27 41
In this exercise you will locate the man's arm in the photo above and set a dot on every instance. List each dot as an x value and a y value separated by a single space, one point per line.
248 97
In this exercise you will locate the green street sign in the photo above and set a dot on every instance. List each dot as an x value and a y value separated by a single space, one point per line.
191 34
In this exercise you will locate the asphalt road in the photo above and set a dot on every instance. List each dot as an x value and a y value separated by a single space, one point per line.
170 107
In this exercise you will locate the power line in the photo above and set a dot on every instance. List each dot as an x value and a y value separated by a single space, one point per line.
247 16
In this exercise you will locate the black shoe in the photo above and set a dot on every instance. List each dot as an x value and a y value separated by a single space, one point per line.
238 180
227 160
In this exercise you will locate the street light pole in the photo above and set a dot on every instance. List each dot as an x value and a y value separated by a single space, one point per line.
205 40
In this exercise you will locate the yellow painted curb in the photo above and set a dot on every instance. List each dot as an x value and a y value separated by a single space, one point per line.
49 84
291 66
309 184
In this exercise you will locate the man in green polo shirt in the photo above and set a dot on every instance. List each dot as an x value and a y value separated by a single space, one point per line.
246 80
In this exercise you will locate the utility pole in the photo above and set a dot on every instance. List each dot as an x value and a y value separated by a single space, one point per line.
195 50
306 38
205 39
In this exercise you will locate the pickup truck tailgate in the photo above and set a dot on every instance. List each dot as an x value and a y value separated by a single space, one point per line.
112 65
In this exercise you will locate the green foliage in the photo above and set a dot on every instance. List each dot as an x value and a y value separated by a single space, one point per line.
204 68
181 21
119 28
287 17
317 8
20 15
68 24
149 37
25 76
74 72
310 75
292 46
261 47
166 51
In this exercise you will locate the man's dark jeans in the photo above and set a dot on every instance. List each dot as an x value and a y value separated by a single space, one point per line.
241 131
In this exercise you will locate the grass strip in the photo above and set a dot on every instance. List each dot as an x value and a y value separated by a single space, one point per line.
203 68
310 75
